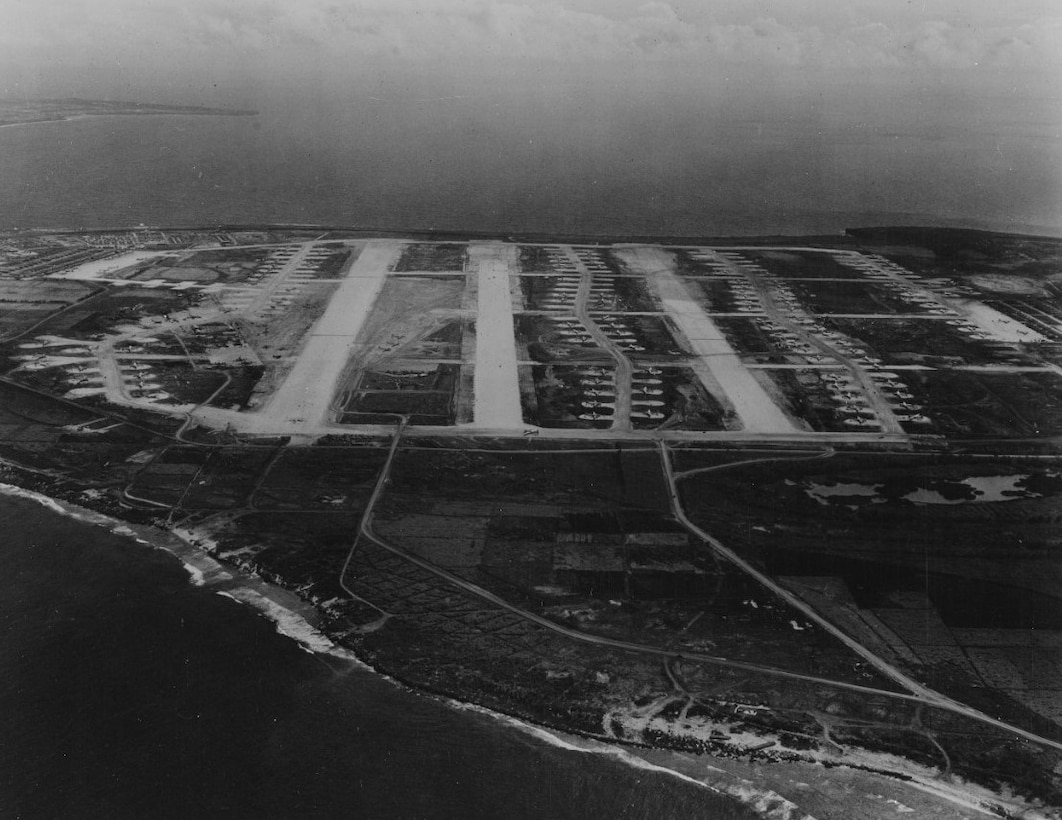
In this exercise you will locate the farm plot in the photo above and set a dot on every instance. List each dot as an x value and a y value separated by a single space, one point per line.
321 478
24 303
38 291
226 479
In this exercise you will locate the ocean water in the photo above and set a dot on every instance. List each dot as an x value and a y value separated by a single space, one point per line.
128 692
502 167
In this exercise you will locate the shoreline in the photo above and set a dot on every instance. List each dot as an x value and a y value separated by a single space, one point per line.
292 615
99 114
299 620
842 236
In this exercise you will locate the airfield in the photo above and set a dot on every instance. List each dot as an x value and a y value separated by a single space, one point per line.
742 499
682 343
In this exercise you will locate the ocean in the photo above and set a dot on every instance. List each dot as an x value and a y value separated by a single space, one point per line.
128 692
499 167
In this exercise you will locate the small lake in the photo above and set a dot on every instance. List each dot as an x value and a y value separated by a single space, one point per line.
921 490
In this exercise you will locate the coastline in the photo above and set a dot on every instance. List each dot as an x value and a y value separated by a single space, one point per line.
299 620
294 618
840 237
97 115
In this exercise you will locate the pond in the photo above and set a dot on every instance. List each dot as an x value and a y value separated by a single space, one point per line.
935 490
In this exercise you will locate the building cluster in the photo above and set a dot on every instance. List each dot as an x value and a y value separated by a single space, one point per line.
34 264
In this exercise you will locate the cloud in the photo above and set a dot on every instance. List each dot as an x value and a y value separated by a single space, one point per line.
577 30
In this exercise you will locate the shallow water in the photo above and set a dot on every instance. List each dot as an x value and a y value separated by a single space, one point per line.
970 490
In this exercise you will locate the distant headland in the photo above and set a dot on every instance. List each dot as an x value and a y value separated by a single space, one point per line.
23 112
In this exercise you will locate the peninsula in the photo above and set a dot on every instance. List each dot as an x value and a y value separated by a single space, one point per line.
22 112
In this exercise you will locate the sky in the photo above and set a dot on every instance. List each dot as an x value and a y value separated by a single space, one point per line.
182 49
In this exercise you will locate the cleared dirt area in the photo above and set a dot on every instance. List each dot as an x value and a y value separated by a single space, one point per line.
407 313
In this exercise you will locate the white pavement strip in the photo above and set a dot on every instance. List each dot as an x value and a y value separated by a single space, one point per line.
306 394
497 384
101 267
753 405
998 325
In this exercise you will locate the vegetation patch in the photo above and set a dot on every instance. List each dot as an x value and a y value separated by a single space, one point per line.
431 256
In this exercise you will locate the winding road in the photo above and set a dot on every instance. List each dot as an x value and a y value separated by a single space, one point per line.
915 691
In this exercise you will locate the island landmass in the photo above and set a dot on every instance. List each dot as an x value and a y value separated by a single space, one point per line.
769 507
